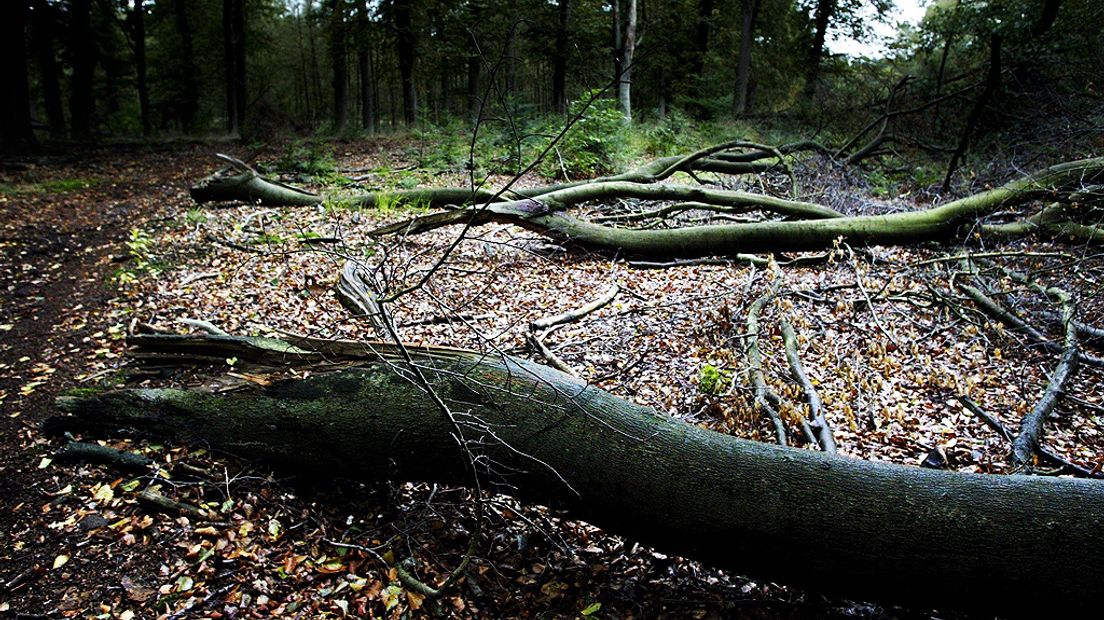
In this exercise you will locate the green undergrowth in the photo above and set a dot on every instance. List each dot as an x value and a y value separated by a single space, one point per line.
56 186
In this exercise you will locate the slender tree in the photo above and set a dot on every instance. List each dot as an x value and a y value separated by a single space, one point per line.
136 33
340 65
188 104
233 40
82 51
16 134
701 37
559 58
44 16
404 30
628 49
821 18
365 74
749 10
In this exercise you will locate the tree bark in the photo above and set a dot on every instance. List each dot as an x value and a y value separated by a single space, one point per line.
82 47
137 18
559 58
233 39
823 15
628 49
340 65
854 528
992 83
44 17
368 113
701 38
541 214
16 134
749 11
247 186
405 49
188 106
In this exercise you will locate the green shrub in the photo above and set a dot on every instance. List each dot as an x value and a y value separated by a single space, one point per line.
596 144
713 380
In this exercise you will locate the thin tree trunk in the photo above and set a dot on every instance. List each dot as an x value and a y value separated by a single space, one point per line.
405 49
628 48
316 72
230 59
137 16
1047 17
701 38
559 59
824 11
474 69
16 134
340 65
749 11
618 46
44 17
992 82
364 68
860 529
240 97
189 98
82 46
304 80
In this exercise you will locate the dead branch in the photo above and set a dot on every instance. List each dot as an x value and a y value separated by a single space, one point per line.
816 427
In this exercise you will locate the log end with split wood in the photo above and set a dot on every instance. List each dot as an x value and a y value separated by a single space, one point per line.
852 528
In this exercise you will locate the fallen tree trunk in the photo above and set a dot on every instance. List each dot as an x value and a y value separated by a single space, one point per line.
248 186
542 215
850 527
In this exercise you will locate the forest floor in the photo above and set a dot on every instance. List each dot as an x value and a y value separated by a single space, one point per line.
96 243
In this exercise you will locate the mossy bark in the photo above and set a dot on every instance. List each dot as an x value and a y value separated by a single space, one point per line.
851 527
819 227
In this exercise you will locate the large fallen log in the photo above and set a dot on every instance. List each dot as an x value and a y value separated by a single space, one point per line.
1010 544
815 227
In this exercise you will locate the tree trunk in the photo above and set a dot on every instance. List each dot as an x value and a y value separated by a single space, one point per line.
701 38
749 11
16 133
232 40
618 45
188 106
992 83
44 17
405 49
818 229
1013 544
364 68
559 59
340 65
823 16
137 17
82 47
628 48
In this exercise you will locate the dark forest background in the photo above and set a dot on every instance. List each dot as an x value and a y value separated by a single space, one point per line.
82 70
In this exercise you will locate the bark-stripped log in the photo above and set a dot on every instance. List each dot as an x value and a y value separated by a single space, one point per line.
850 527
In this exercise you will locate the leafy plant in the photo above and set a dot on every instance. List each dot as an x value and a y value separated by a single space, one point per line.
713 380
596 144
139 247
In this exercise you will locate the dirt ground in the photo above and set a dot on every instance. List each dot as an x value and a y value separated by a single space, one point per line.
96 242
